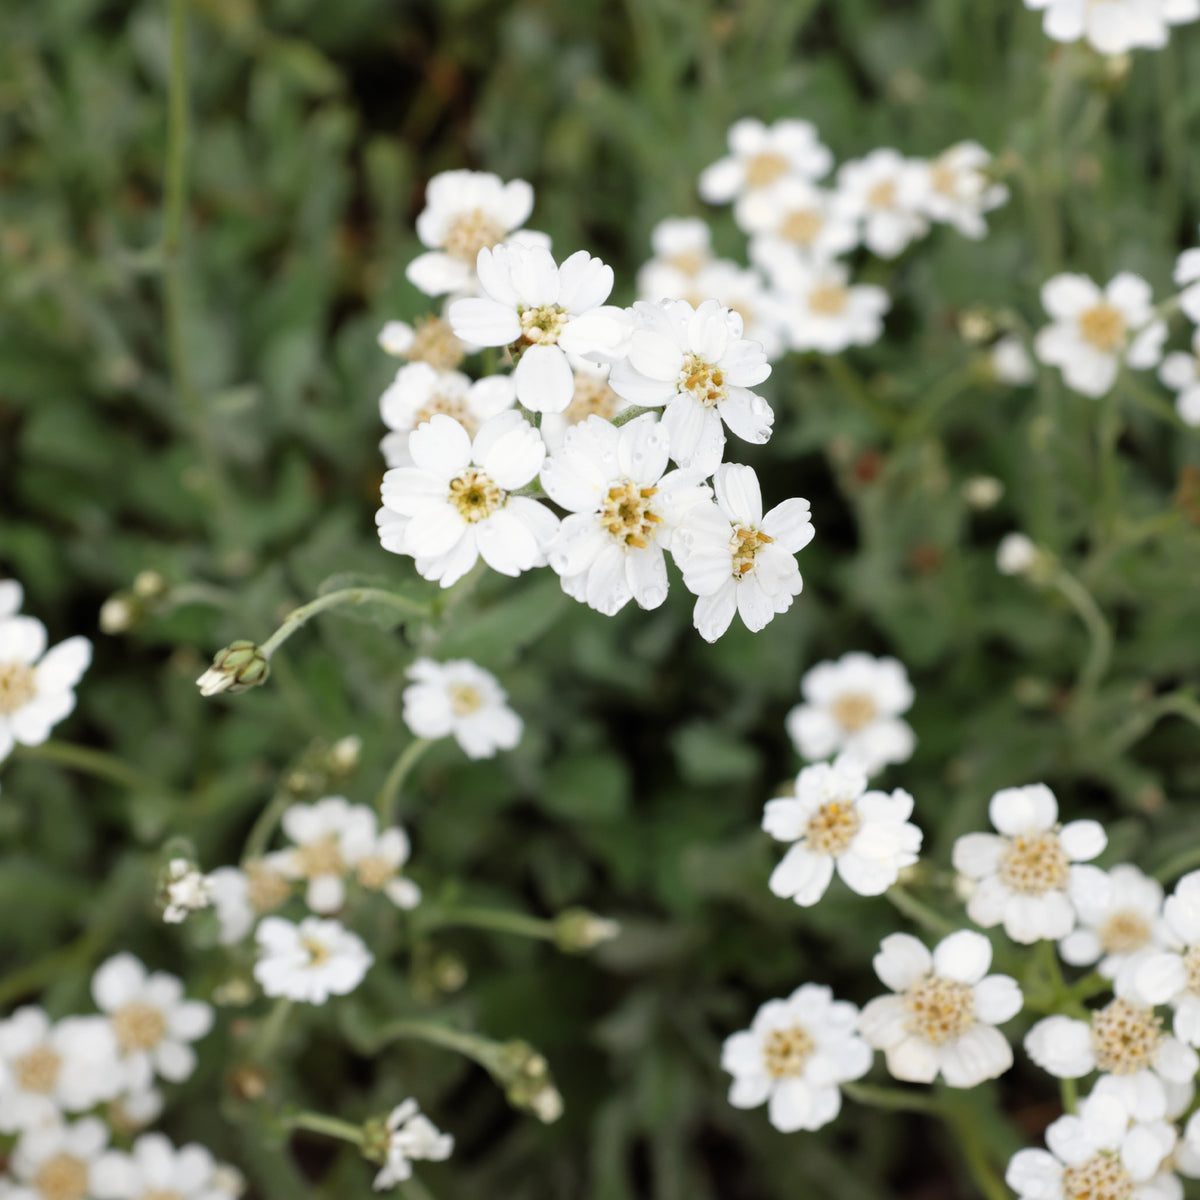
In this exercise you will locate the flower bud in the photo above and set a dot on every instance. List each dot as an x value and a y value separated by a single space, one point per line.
577 930
120 613
982 491
525 1076
150 585
344 753
237 668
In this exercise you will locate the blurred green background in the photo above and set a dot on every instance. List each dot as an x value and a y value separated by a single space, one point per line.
637 790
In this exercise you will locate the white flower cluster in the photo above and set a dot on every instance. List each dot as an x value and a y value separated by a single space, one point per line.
1115 26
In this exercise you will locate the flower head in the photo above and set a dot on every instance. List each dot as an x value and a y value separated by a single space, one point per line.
459 699
682 249
820 309
310 961
797 217
887 193
323 835
1114 26
411 1136
58 1161
154 1168
760 155
1120 918
957 190
1181 373
430 340
1172 975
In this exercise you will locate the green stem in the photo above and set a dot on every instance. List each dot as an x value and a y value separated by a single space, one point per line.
271 1030
385 801
916 910
1068 1090
332 1127
629 414
91 762
894 1099
1100 652
961 1121
470 1045
264 826
363 595
488 918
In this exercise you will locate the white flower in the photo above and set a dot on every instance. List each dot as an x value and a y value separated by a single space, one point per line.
622 509
378 860
419 391
155 1168
135 1110
1172 976
311 961
793 1057
323 833
1123 1039
696 363
943 1017
1187 277
743 291
154 1023
593 398
412 1136
430 341
465 212
1010 362
958 191
820 309
854 706
887 193
57 1162
455 505
461 699
1016 554
1097 1154
1094 331
241 895
542 312
1114 26
36 684
834 821
1181 373
763 154
185 891
799 217
1023 872
1120 917
682 249
49 1069
738 560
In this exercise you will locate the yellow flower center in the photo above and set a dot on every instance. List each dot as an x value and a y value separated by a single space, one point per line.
832 827
593 398
1034 864
322 856
266 888
628 514
541 326
1103 327
318 952
161 1194
63 1177
1124 932
475 495
374 873
471 232
883 194
37 1071
939 1009
688 262
828 299
450 406
1125 1037
746 544
1100 1178
465 699
434 342
17 687
802 226
854 711
1191 964
785 1051
944 180
765 168
702 380
139 1026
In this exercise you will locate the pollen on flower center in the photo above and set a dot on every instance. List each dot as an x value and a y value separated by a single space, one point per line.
854 711
266 888
1125 1037
475 495
37 1071
1034 863
434 342
593 398
802 226
541 326
322 856
746 544
63 1177
1124 932
687 262
1191 964
943 179
471 232
828 299
765 168
139 1026
17 687
832 827
1103 327
450 406
374 872
883 194
318 953
703 380
940 1009
464 699
628 514
786 1051
161 1194
1100 1178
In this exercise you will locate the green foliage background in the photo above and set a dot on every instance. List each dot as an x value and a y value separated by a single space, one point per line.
638 788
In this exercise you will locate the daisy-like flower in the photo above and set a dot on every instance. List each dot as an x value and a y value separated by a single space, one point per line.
1124 1039
311 961
57 1162
958 190
1172 975
887 193
1010 362
942 1018
853 706
411 1136
760 155
419 391
622 512
820 309
378 859
1023 872
323 834
465 212
696 363
1114 26
430 340
1094 331
36 684
155 1168
793 1057
462 700
833 821
1097 1154
593 398
153 1021
542 312
1120 918
798 216
455 503
50 1069
735 559
682 248
240 895
1181 373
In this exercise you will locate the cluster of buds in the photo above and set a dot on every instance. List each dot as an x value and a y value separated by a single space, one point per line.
524 1074
238 668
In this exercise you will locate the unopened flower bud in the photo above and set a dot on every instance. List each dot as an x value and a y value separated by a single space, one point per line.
150 585
344 753
577 930
547 1104
525 1076
976 325
982 491
1016 554
237 668
120 613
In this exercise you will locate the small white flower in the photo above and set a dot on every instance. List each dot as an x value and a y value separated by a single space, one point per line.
696 363
1181 373
593 398
887 193
50 1069
185 891
461 699
542 312
623 512
1010 362
378 859
743 291
1016 554
793 1057
798 217
155 1168
412 1136
958 191
455 505
1120 917
465 212
419 391
682 248
241 895
36 684
323 833
1187 278
153 1021
1097 1154
820 309
57 1162
311 961
760 155
943 1017
1093 331
1114 26
1172 976
1023 873
738 560
853 706
430 341
834 821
